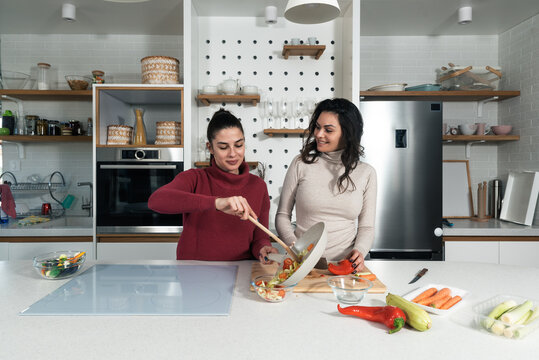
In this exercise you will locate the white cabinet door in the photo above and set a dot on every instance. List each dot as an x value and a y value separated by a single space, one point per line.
472 251
27 251
523 253
136 251
4 251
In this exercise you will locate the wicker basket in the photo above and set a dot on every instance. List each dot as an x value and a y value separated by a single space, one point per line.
168 133
119 134
160 70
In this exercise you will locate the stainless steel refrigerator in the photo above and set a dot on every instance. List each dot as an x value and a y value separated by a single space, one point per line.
403 141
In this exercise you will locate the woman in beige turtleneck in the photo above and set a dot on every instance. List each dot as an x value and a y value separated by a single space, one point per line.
327 182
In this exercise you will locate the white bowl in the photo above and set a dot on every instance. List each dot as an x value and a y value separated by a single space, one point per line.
467 129
249 90
388 87
210 89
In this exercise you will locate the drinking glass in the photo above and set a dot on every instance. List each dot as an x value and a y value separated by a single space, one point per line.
270 113
284 109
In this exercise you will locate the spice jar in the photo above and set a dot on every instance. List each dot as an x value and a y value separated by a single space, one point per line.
54 128
43 76
30 124
98 77
66 129
41 127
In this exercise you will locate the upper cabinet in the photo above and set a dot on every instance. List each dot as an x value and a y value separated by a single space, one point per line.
122 110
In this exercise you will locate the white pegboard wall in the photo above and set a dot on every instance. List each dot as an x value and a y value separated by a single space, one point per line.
239 48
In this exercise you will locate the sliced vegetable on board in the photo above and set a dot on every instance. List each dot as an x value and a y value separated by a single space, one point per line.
391 316
344 267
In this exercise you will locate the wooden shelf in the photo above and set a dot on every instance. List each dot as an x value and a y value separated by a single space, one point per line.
207 99
49 94
303 50
42 139
138 146
456 95
203 164
271 132
455 138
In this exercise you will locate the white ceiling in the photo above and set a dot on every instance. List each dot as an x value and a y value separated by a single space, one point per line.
163 17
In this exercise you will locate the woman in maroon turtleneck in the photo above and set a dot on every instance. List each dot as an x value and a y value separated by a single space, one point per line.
207 197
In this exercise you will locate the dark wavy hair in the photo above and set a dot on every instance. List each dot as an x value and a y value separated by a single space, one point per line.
221 119
351 123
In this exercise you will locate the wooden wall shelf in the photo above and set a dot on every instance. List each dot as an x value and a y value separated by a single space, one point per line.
477 95
303 50
456 138
138 146
42 139
49 95
203 164
207 99
271 132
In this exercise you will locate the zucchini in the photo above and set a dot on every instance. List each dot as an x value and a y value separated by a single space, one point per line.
415 316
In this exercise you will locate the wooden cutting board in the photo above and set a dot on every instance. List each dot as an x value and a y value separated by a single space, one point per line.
315 282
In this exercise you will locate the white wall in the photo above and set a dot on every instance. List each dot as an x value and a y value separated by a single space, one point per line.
117 55
415 60
519 54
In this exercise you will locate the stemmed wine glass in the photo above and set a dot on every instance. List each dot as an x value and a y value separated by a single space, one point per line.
284 112
299 109
270 113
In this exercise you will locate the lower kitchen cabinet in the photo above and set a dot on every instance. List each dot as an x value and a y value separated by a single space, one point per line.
137 246
27 250
472 251
510 251
136 251
4 251
519 253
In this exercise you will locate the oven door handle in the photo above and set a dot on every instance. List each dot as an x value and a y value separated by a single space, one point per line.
142 167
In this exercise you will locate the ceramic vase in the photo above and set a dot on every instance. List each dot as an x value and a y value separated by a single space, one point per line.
140 129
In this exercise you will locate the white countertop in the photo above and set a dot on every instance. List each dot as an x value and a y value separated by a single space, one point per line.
493 227
63 226
306 326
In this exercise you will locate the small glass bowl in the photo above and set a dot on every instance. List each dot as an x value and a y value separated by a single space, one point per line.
349 289
278 293
59 264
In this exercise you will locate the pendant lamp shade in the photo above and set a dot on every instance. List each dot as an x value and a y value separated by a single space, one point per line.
311 11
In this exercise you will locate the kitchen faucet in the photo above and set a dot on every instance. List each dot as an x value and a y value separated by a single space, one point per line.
87 206
10 173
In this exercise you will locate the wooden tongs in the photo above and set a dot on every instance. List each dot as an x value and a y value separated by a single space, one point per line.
274 237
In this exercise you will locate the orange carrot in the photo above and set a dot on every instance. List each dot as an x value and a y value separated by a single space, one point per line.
437 303
440 294
310 247
450 302
368 276
425 294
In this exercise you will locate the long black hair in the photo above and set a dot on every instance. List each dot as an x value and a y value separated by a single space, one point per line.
221 119
351 123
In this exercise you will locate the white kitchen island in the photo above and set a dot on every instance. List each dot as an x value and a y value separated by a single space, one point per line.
305 326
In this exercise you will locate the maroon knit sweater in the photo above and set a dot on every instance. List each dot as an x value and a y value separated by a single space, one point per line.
209 234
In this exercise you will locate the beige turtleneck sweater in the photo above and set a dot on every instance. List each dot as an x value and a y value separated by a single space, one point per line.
349 216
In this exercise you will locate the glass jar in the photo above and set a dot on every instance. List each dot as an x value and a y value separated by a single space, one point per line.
43 76
30 122
54 128
41 127
98 77
75 127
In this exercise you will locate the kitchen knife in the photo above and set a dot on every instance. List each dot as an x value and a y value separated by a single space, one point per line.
418 276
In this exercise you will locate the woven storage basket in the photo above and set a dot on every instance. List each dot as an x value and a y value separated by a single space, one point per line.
119 134
168 133
160 70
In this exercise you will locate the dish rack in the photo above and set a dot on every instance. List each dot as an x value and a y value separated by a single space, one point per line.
37 187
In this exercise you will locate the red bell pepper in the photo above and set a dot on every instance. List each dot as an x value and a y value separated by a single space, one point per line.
391 316
343 268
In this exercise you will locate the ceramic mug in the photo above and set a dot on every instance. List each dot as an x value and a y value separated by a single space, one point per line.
467 129
312 40
294 41
481 128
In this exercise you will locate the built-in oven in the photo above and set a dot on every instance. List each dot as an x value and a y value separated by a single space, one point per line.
125 179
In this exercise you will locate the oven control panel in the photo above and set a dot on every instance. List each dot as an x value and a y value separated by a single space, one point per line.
139 154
